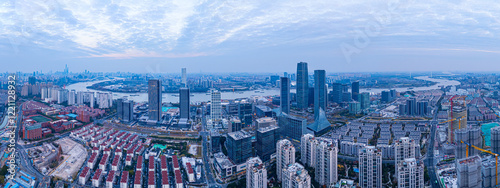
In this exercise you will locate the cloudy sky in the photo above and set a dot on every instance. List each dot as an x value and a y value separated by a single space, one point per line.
249 36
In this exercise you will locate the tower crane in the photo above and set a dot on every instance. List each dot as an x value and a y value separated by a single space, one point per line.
486 151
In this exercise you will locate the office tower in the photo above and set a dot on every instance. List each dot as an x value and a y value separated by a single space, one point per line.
274 79
393 94
245 112
302 85
495 139
184 102
370 167
292 127
404 148
154 100
235 124
355 90
239 146
326 161
285 155
125 110
410 173
184 77
311 96
411 106
422 107
71 97
256 173
364 99
337 93
469 172
319 92
264 122
285 95
469 135
386 96
354 107
295 176
31 80
215 107
266 141
459 113
119 108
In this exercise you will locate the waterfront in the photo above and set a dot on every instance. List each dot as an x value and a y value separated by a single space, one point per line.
203 97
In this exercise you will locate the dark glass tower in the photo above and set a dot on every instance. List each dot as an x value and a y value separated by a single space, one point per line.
154 100
285 94
184 102
355 91
319 91
302 85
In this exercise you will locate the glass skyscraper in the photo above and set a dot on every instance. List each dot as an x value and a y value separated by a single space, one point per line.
285 95
154 100
302 85
355 90
319 91
184 102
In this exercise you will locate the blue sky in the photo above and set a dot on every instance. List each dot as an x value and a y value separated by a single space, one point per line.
249 36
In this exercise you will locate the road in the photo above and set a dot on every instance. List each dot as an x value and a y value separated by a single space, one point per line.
206 160
24 163
429 161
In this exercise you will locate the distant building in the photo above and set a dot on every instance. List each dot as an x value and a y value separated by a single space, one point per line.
154 100
285 95
295 176
72 97
184 103
370 167
234 125
285 155
302 85
125 110
245 112
354 107
364 99
256 174
355 90
264 122
184 77
336 93
266 141
320 91
239 146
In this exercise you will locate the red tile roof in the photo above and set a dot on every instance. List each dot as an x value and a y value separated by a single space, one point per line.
111 175
175 161
151 162
151 178
97 174
84 172
124 177
189 168
164 178
138 177
178 177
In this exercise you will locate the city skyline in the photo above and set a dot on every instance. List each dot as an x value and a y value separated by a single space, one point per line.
146 37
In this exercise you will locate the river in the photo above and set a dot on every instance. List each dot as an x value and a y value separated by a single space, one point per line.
203 97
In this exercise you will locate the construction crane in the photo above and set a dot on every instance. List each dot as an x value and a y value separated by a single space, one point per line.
454 119
486 151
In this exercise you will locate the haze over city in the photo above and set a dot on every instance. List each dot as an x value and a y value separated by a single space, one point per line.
230 36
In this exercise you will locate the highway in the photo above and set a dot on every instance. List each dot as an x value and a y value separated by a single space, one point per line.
429 161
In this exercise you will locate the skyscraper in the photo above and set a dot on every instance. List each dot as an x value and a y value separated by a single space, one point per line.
319 92
292 127
321 154
469 172
285 95
295 176
370 167
215 107
285 155
71 97
404 148
184 77
184 102
355 90
472 136
495 139
154 100
256 173
337 93
364 99
302 85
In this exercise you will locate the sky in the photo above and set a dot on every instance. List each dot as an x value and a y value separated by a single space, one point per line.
249 36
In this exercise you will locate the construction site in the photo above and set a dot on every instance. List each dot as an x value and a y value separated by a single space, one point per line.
45 157
74 155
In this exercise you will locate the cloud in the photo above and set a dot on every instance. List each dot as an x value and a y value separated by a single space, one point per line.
105 28
129 54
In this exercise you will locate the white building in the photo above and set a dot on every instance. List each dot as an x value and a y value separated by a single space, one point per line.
307 155
403 148
104 100
62 96
410 173
72 97
256 173
326 158
44 93
285 155
295 176
215 107
370 167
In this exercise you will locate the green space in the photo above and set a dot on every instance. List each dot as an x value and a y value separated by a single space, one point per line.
486 128
40 119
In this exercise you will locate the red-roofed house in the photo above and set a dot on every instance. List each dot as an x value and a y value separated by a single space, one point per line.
178 179
124 180
84 175
138 179
96 180
164 179
151 163
151 179
111 179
